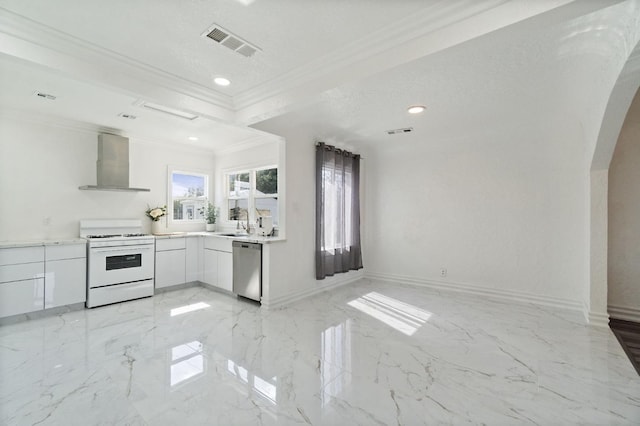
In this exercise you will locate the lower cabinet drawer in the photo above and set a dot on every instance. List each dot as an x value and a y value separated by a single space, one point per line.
21 272
20 297
16 255
170 244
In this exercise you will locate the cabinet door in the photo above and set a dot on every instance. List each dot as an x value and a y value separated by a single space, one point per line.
169 268
65 282
225 270
210 261
20 297
193 263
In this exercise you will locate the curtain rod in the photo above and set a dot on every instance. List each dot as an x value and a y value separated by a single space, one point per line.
340 150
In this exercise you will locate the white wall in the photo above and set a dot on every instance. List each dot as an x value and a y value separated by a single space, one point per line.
498 214
624 220
42 165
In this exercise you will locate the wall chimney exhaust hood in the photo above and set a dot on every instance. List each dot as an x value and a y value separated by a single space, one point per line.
112 165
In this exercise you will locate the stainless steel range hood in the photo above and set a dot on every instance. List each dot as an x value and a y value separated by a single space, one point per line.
113 165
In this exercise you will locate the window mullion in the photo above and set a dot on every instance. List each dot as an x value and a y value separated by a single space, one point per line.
252 195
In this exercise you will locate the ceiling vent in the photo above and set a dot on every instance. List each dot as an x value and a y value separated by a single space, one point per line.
230 41
396 131
43 95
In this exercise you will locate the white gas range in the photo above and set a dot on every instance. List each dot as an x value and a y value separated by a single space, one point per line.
120 261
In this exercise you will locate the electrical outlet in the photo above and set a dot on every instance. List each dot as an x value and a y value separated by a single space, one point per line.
443 272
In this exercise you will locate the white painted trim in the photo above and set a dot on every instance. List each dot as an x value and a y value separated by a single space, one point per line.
333 282
585 311
38 34
54 121
626 313
516 296
83 127
425 32
385 41
598 319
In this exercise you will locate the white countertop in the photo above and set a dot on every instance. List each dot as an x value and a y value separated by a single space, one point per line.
218 234
37 243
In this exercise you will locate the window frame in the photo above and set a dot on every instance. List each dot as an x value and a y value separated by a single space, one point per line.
252 196
171 170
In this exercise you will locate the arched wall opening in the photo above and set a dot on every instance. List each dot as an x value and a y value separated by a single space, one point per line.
623 260
620 101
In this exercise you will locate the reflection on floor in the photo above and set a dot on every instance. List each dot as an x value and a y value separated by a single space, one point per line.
369 353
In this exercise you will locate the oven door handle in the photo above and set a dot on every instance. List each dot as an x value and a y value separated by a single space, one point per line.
129 249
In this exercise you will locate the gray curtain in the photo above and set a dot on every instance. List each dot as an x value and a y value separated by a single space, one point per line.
338 247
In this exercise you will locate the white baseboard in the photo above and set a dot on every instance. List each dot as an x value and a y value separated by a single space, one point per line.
481 291
318 287
598 319
624 313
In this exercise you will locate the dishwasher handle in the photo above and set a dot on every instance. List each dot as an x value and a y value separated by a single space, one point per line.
246 245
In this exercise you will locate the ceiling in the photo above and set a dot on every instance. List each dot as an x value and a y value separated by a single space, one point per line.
356 64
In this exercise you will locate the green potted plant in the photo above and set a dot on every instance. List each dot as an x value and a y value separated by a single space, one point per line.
210 213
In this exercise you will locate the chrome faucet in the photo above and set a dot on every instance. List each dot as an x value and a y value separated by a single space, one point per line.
246 228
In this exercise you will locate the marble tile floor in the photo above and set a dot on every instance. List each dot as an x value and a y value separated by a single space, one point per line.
370 353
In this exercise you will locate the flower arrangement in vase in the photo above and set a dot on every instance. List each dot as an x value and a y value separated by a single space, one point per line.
155 214
210 213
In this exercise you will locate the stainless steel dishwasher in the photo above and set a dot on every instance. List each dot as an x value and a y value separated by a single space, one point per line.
247 269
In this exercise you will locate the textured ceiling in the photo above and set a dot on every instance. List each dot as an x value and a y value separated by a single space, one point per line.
530 75
345 68
167 34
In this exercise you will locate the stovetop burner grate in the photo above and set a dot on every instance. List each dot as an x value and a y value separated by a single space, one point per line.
117 236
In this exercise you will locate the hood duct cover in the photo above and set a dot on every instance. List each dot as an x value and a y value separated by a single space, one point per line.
112 165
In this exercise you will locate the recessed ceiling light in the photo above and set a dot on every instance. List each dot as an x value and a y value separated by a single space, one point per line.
193 138
221 81
416 109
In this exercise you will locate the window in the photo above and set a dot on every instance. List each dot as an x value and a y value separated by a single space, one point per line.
252 194
188 194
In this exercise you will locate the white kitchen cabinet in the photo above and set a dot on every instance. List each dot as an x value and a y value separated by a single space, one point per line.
193 259
65 275
170 268
170 262
210 262
21 255
21 297
218 263
225 271
21 280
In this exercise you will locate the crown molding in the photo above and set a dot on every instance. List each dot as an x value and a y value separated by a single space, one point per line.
396 34
24 116
30 117
50 47
434 29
